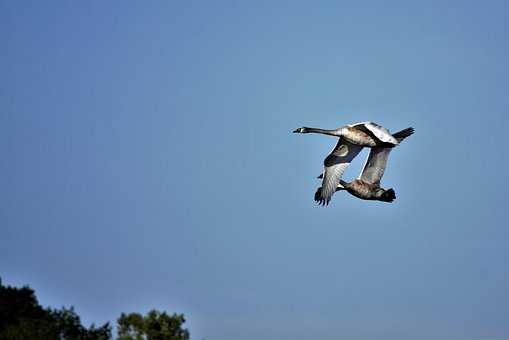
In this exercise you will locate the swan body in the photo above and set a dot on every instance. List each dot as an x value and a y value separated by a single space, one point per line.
368 191
362 190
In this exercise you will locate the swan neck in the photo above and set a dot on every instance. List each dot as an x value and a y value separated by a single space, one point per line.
335 133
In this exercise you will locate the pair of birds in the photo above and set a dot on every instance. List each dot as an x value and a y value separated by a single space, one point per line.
352 139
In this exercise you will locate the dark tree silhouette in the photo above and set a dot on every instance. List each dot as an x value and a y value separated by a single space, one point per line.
22 318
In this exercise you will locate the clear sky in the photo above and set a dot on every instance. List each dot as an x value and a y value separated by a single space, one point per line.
147 161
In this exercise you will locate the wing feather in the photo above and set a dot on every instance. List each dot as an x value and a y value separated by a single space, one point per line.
378 131
335 165
375 165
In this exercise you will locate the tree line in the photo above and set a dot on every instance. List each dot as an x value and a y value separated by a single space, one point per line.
23 318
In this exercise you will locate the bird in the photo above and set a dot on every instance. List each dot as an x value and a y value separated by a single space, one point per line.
367 186
367 134
352 138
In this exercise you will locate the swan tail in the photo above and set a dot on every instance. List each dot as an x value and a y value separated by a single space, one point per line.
401 135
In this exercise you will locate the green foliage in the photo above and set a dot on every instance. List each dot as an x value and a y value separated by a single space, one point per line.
69 326
154 326
22 318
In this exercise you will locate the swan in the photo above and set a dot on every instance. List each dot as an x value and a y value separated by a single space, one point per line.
367 186
367 134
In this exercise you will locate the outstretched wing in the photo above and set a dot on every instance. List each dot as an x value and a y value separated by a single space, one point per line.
376 130
334 166
376 162
375 165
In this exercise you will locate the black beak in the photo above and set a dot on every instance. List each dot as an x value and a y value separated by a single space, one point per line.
296 130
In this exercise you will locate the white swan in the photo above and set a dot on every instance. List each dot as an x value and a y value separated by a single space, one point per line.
365 134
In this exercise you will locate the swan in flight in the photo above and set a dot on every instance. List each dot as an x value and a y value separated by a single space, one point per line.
367 186
362 134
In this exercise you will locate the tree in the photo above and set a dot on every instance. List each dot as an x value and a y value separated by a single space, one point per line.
22 318
69 326
154 326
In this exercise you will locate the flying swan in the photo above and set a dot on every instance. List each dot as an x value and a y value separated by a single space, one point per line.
363 134
352 138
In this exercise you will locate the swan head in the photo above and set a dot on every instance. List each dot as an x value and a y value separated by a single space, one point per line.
301 130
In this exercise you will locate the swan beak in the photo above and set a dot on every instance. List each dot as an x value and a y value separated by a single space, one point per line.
296 130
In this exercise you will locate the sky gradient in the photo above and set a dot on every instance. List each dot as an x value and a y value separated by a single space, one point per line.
148 162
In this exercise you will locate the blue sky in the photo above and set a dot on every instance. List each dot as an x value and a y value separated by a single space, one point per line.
148 162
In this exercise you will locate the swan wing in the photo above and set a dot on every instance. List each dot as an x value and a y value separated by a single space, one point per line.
378 131
335 165
375 165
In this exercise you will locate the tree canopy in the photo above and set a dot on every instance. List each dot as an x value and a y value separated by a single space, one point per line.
22 318
153 326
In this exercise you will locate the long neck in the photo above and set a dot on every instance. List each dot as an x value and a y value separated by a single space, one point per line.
343 183
335 133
